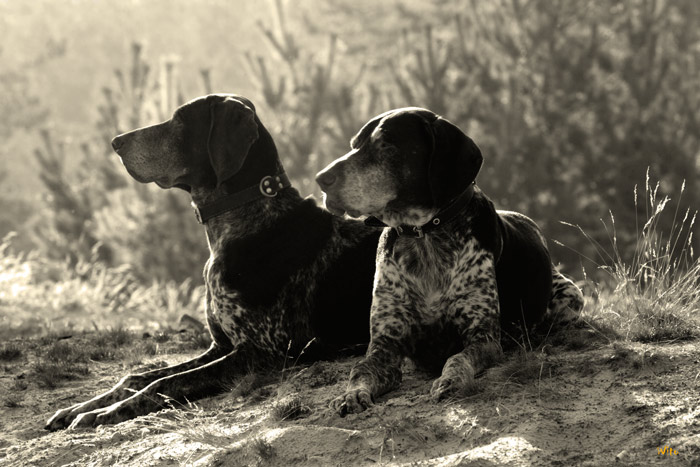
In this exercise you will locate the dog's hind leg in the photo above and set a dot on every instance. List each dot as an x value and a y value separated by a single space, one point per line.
566 302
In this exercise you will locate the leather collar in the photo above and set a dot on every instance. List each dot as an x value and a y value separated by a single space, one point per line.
268 187
443 216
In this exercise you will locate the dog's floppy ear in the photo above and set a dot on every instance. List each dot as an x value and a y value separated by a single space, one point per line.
367 130
454 164
232 132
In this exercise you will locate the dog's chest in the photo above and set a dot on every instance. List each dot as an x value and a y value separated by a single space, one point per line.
425 260
430 272
226 309
223 305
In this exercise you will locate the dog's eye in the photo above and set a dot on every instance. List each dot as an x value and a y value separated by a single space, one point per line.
381 149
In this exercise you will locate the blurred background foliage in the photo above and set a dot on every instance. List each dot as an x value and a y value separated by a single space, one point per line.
570 103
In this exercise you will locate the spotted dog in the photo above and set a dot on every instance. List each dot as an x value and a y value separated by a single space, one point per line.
452 272
283 272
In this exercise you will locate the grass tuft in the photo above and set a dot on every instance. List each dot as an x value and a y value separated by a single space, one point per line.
263 449
625 357
10 352
656 290
61 361
189 421
290 408
524 368
117 337
12 401
150 348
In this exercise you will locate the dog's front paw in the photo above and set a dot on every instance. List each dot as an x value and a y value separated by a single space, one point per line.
446 386
62 418
353 401
85 420
105 416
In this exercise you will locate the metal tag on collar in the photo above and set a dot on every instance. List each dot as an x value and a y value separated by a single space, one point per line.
418 231
269 185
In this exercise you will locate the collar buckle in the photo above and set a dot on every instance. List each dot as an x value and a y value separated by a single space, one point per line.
270 186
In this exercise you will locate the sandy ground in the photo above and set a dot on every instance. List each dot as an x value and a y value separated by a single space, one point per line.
604 404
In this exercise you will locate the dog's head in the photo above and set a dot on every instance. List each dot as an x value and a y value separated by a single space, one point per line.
403 167
208 141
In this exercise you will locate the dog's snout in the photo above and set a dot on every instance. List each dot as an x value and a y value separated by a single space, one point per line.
117 143
326 179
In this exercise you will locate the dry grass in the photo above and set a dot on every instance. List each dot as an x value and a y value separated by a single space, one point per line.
290 408
624 356
61 361
12 400
263 449
190 422
654 295
62 358
39 296
525 368
10 351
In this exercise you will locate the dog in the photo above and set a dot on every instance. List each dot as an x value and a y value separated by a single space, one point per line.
452 272
282 273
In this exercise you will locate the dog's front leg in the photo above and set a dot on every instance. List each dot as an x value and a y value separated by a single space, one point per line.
391 320
129 385
475 312
206 380
379 372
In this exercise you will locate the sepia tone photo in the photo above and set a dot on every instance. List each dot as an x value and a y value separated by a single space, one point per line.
335 233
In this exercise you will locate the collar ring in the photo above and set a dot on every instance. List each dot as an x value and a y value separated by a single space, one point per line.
267 187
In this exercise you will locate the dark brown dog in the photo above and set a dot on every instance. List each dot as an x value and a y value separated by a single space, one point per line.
281 271
452 272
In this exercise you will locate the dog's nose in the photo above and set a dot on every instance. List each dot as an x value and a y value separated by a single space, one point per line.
325 179
117 143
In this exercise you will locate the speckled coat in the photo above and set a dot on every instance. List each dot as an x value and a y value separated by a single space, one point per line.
447 298
285 277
